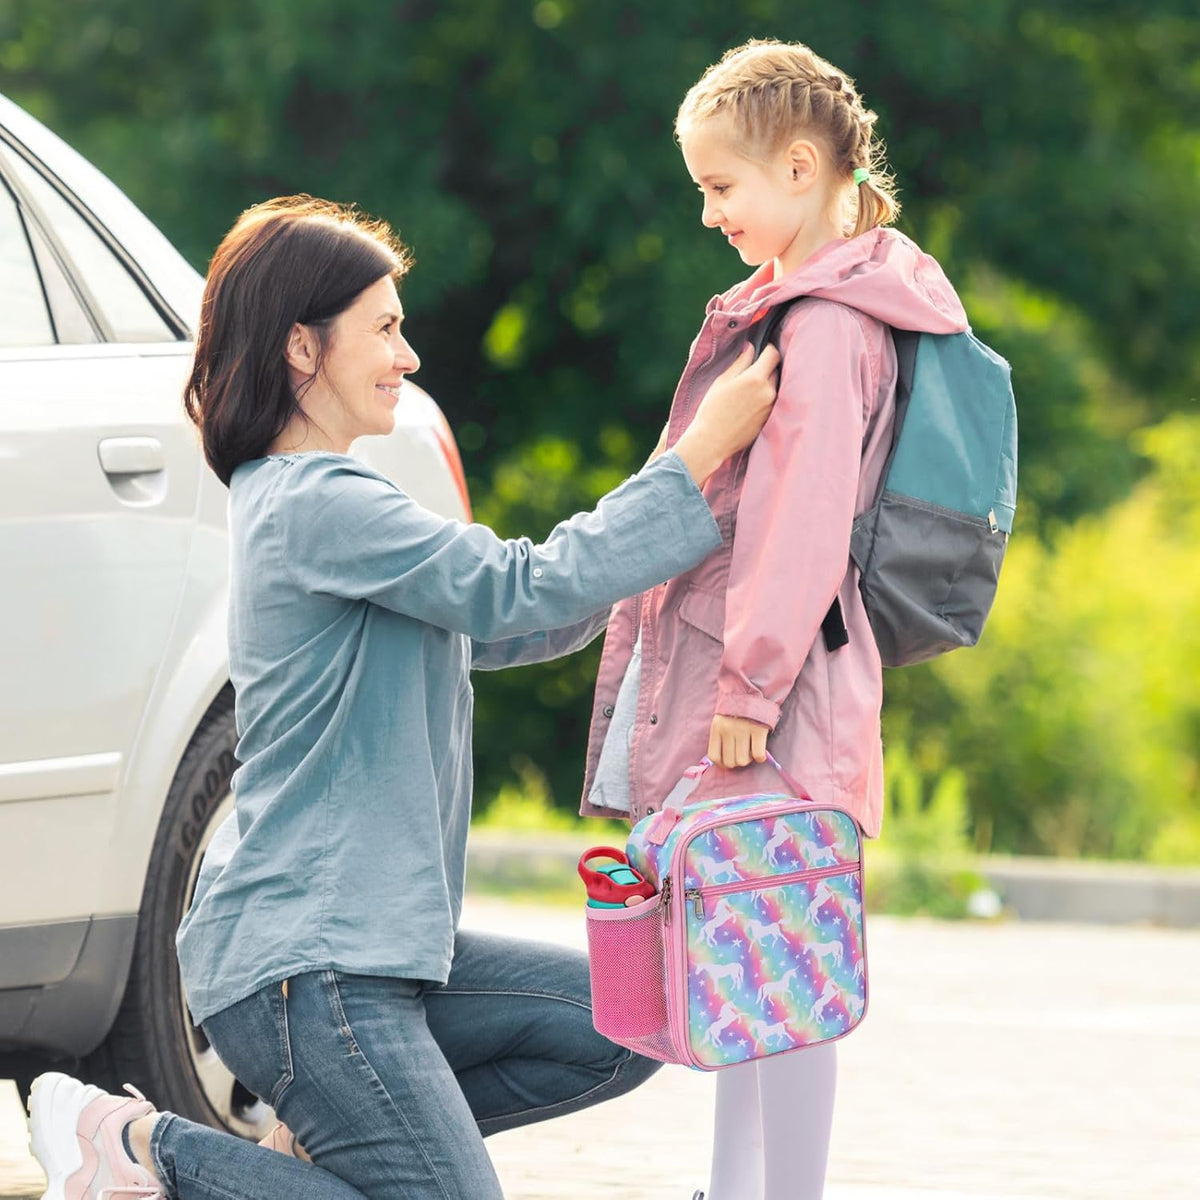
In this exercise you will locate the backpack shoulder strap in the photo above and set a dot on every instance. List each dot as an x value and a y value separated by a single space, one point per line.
765 330
906 342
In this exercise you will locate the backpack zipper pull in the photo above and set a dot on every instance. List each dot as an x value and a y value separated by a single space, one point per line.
697 903
666 900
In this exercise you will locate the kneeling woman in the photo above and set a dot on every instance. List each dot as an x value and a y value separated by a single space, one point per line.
322 954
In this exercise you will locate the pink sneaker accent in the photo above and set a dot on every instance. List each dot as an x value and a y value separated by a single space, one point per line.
282 1140
76 1136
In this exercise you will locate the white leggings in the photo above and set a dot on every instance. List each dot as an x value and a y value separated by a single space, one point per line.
773 1119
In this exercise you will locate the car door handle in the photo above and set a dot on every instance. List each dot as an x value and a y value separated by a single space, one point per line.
132 456
136 469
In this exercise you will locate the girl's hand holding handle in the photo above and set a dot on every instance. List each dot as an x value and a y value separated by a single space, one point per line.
734 741
732 412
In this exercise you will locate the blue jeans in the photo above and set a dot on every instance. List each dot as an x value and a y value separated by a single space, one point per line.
392 1084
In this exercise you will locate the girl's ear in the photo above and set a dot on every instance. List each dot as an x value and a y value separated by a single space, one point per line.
301 350
804 164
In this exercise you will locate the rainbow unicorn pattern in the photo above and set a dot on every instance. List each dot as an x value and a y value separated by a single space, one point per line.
771 936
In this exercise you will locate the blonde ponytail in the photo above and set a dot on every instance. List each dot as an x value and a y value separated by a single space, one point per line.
877 205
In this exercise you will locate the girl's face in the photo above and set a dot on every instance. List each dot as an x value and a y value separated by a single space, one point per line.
766 210
365 359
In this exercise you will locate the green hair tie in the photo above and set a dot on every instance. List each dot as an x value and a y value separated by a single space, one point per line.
861 175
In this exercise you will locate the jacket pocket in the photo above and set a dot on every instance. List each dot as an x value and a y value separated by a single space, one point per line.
705 611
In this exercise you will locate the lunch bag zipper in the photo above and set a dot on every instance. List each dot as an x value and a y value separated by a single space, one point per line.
747 814
695 896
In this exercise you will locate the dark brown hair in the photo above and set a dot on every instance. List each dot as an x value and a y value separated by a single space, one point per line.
291 260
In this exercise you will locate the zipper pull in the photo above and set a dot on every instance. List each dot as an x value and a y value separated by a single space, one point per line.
666 900
697 900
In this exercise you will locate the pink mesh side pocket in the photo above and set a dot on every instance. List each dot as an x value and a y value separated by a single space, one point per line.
625 956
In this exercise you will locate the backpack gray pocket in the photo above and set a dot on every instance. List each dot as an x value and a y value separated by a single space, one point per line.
928 576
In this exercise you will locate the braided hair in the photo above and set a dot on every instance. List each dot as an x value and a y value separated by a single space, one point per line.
776 91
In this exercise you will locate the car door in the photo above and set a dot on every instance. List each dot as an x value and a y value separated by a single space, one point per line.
99 476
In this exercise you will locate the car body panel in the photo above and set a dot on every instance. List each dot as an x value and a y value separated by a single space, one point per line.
96 575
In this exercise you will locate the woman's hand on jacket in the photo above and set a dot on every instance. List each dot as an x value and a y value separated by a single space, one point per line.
732 412
735 741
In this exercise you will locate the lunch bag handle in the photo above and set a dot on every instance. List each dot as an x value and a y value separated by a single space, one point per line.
677 797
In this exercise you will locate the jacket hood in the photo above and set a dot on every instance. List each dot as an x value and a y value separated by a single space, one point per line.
881 273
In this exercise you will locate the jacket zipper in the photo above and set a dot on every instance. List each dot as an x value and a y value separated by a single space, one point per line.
695 896
634 816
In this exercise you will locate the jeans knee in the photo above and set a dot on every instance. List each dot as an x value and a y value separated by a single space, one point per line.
633 1069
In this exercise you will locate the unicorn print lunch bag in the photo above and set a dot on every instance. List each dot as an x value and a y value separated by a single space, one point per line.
753 944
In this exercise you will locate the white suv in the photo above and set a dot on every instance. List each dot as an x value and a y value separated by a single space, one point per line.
116 714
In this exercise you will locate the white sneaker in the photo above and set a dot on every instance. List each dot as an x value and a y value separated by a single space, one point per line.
76 1135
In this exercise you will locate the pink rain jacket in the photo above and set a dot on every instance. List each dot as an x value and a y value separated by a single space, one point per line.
740 633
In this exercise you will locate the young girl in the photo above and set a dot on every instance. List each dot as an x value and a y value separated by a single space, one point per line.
730 656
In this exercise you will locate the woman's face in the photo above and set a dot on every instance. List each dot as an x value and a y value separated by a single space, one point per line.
365 359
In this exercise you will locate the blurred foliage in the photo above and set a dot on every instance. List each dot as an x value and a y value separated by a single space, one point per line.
1049 154
922 823
526 806
920 864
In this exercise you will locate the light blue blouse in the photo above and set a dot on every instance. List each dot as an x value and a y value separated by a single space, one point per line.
355 616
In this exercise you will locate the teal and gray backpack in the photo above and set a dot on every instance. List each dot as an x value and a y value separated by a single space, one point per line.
930 548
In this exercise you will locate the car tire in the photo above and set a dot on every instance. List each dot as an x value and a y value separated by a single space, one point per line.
152 1043
24 1066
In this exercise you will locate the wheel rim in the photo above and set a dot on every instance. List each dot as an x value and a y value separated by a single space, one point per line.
238 1109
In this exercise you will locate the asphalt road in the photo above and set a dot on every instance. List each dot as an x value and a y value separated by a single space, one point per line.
1013 1061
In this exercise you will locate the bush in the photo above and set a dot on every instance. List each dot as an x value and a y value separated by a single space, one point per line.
919 864
1077 720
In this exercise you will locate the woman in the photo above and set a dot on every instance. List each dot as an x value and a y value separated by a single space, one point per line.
322 954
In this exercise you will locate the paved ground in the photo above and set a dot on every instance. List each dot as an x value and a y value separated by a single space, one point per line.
998 1062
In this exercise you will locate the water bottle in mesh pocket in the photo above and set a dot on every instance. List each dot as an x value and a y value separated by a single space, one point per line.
625 956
